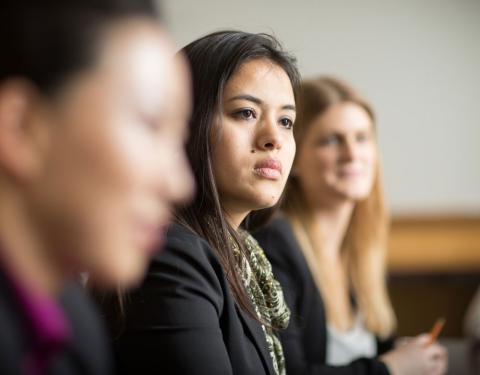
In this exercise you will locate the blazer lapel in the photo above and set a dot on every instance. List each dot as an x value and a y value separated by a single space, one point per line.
258 337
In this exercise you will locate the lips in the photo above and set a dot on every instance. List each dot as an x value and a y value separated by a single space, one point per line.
351 173
270 169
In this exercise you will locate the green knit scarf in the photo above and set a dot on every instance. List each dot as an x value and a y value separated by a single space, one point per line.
266 295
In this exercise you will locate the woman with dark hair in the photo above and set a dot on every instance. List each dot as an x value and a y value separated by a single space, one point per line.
328 249
209 303
92 108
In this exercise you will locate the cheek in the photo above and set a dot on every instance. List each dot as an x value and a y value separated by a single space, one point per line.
232 152
107 208
138 159
133 151
327 157
171 171
319 162
371 159
109 253
103 172
307 168
98 170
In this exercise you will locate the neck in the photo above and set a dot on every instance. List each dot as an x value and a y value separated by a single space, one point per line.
22 252
329 226
235 216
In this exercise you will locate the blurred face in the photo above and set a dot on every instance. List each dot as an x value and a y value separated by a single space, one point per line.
254 145
113 163
337 160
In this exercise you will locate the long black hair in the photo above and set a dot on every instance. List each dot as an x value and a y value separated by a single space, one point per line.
45 42
214 59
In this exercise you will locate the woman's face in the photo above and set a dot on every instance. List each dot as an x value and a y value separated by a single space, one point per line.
254 145
114 162
337 160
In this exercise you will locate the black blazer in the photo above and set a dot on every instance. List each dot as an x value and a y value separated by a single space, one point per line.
304 341
183 318
88 351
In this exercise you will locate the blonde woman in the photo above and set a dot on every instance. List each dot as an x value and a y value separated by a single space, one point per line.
328 249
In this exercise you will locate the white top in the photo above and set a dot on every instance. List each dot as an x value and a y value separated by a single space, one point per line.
345 346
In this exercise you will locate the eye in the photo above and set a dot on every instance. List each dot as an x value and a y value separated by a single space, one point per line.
362 137
245 114
286 122
331 140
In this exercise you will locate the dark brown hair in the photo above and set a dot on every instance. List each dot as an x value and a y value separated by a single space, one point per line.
46 42
214 59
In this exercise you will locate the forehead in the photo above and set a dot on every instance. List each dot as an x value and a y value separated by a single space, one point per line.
138 56
262 78
134 41
343 117
179 81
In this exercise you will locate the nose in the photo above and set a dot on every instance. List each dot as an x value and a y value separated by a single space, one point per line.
349 150
268 135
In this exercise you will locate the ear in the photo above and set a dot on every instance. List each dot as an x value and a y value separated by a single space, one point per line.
20 129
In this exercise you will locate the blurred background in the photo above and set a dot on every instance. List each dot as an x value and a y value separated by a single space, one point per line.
418 61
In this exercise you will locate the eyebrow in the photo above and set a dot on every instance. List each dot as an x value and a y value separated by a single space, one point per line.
258 101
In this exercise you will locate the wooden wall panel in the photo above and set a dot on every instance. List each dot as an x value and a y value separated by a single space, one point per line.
434 269
435 244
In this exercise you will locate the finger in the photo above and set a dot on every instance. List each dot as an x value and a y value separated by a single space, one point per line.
402 341
436 350
440 362
423 339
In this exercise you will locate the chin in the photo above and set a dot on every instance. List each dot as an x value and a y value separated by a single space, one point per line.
267 201
354 191
356 196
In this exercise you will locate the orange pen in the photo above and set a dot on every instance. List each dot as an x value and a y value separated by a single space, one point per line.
436 329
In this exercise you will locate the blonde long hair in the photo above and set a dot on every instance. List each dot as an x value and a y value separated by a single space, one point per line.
365 243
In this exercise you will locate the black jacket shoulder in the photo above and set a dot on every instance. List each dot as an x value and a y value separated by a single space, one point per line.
183 318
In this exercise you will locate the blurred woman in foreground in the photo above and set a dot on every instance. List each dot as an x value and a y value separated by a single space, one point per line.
92 124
